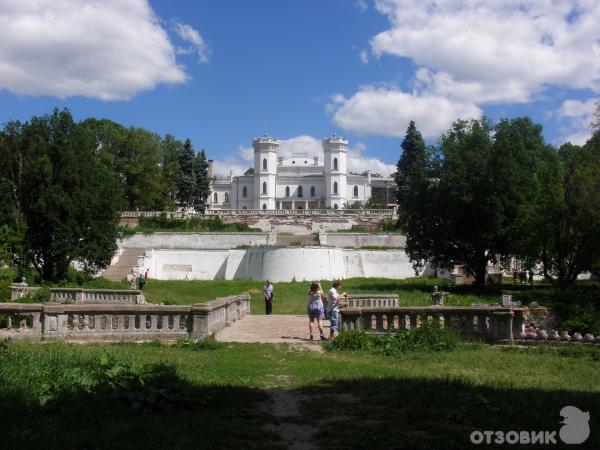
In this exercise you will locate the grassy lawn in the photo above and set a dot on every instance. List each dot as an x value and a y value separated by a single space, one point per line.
60 395
290 298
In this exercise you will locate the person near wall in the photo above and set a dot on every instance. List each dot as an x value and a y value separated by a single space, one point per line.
314 308
268 294
334 298
141 282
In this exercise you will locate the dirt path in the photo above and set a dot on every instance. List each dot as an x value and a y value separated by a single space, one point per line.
272 329
283 406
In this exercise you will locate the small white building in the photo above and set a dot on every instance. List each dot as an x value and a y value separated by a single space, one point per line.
299 182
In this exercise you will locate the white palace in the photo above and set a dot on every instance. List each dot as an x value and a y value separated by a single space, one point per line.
299 182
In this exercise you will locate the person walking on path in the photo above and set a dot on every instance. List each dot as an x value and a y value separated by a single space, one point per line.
333 306
315 309
131 278
268 294
141 282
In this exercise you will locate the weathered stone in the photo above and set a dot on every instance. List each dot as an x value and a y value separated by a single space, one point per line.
577 336
588 337
564 335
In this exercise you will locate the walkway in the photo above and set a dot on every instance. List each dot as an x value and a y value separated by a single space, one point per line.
272 329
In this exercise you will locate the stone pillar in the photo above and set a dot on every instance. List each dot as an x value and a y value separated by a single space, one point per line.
502 325
200 321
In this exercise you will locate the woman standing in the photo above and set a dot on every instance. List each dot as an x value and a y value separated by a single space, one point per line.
315 309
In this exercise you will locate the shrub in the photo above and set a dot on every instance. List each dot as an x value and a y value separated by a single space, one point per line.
162 222
208 343
427 338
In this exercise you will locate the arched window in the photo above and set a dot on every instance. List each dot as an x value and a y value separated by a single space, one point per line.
335 164
335 187
264 187
226 197
287 191
265 164
244 191
335 206
300 192
356 191
312 191
216 198
264 206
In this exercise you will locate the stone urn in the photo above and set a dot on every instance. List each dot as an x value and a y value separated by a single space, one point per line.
438 297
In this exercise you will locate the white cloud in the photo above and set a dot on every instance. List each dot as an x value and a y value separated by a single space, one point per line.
494 50
577 108
578 117
109 49
358 162
363 55
386 111
469 53
361 5
191 35
240 161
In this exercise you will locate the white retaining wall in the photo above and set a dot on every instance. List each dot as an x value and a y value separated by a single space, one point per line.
194 240
279 264
358 240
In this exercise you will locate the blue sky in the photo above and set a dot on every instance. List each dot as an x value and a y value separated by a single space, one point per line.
210 71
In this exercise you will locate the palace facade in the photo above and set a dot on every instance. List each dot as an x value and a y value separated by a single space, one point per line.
299 182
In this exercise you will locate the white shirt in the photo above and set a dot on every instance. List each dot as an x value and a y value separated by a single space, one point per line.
333 300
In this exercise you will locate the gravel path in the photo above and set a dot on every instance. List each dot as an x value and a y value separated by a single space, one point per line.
272 329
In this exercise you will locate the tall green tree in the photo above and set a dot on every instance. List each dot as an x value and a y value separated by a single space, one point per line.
202 190
170 151
133 155
64 202
595 124
466 211
564 220
412 162
186 182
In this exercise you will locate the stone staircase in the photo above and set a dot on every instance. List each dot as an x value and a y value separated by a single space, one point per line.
296 241
129 259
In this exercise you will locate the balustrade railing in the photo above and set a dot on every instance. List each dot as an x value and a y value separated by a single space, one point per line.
371 301
264 212
79 295
490 324
115 322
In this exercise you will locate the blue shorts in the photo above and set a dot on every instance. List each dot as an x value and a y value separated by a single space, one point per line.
333 318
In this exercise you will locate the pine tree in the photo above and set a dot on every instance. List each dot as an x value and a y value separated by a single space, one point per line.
412 163
186 181
202 189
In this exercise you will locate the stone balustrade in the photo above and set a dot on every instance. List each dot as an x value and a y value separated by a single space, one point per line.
489 324
371 301
493 324
117 322
263 212
79 295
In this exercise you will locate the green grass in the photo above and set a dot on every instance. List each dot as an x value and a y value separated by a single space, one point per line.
577 306
59 395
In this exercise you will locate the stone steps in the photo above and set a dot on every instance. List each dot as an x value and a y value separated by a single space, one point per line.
296 241
129 259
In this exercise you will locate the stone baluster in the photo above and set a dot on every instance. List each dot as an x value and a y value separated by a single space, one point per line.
379 322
